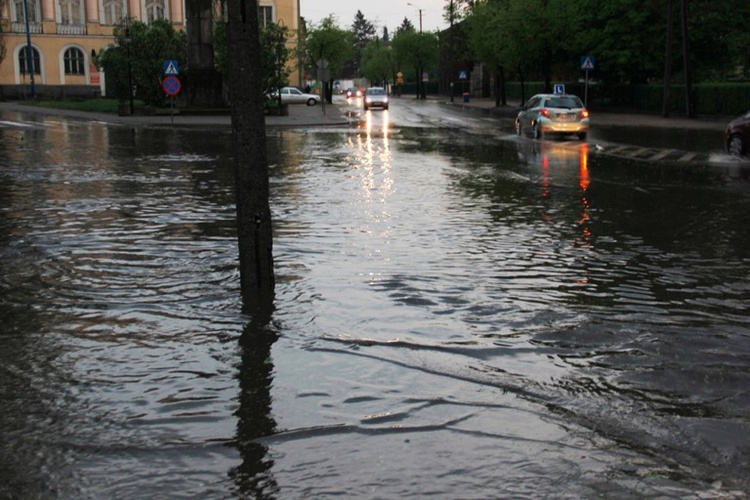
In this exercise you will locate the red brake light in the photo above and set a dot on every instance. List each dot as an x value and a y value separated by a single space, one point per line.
585 113
544 111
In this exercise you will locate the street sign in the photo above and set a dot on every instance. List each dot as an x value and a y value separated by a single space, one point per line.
587 63
170 67
462 75
559 88
171 85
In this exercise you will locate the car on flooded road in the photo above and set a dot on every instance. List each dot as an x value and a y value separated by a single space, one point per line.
376 97
545 115
738 136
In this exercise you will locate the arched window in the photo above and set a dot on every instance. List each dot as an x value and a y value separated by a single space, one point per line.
113 12
23 61
155 9
74 62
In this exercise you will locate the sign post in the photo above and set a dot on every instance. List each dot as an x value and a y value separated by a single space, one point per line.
587 64
324 74
171 84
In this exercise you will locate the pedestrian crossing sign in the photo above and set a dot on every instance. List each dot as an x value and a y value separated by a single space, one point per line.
587 63
462 75
170 67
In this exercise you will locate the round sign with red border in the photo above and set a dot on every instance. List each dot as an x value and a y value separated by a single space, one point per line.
171 85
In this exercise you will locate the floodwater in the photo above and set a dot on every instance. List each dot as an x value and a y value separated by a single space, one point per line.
457 316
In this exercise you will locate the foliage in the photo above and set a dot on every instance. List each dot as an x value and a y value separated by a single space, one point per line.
363 31
274 53
139 56
405 26
328 41
417 52
378 63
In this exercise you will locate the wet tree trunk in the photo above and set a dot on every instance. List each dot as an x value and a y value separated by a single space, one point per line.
668 61
251 164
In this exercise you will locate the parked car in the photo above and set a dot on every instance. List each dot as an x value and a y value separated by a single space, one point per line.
738 136
376 97
353 92
547 114
293 95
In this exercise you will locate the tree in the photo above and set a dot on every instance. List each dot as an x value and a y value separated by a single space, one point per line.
275 55
363 32
416 51
328 41
405 26
153 45
490 40
377 62
252 191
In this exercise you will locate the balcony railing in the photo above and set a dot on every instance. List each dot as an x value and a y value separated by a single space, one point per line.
71 29
21 27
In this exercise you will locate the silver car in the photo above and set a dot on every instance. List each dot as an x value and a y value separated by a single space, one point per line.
376 97
293 95
547 114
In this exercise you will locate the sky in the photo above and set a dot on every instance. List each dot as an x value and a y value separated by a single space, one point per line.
381 13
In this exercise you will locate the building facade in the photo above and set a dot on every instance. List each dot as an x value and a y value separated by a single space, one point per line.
66 35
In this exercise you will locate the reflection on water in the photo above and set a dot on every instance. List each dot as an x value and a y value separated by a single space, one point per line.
456 316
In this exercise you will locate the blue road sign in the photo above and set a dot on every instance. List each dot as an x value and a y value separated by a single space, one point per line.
559 88
172 85
462 75
170 67
587 63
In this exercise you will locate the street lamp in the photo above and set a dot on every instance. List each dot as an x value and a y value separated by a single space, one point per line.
127 41
420 15
29 50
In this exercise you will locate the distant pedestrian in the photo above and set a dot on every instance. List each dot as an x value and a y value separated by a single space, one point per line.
307 89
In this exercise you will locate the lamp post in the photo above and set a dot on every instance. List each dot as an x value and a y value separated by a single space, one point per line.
127 41
29 50
420 15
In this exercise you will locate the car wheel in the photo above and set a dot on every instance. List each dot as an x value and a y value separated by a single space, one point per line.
538 134
735 146
311 102
582 136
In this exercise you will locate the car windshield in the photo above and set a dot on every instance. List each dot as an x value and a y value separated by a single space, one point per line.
376 91
563 102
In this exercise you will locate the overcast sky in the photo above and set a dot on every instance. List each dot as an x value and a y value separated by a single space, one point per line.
389 13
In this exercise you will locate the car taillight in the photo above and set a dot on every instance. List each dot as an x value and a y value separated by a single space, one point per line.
585 113
544 112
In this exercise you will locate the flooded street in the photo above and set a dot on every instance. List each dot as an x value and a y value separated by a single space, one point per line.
459 314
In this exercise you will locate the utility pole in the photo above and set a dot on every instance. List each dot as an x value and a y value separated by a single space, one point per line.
420 15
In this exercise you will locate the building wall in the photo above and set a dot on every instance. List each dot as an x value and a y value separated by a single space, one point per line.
90 30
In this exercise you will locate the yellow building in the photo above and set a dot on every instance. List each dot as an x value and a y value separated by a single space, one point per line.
65 35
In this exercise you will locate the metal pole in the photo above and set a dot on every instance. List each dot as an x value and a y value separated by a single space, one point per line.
29 49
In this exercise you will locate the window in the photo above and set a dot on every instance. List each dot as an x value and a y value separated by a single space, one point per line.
74 62
23 61
18 11
155 10
71 12
112 12
265 15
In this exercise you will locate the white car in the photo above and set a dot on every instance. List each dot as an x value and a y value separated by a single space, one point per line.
376 97
293 95
547 114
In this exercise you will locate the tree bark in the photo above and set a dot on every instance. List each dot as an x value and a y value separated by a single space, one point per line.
252 192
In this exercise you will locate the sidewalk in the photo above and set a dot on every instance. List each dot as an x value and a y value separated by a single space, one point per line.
300 116
608 118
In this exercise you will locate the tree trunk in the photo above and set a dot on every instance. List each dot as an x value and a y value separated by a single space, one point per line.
252 190
689 104
668 60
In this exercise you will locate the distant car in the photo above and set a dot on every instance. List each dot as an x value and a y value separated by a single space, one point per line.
376 97
547 114
738 136
293 95
353 92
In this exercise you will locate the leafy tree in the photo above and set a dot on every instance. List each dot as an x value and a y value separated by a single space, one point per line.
490 39
144 48
377 62
416 51
275 55
328 41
